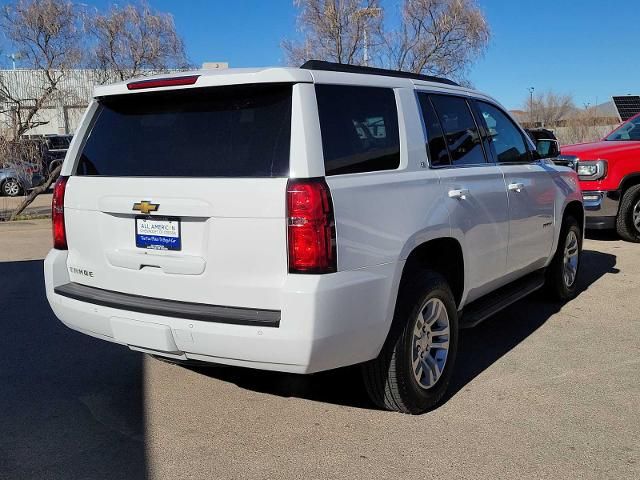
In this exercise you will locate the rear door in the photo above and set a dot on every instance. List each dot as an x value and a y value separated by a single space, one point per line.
530 188
181 195
475 189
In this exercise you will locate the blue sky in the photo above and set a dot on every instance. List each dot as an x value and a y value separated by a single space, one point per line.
582 47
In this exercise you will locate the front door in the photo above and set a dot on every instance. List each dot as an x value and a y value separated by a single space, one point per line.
530 189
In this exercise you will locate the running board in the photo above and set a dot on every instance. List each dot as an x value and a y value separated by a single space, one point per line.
492 303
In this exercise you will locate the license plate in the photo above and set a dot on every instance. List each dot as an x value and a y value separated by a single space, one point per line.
158 233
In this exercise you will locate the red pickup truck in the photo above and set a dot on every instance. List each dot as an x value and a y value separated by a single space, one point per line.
609 172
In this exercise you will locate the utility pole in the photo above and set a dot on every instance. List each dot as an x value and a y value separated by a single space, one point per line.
13 57
531 90
366 13
366 48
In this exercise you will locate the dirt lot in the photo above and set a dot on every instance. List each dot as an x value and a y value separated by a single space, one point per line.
542 391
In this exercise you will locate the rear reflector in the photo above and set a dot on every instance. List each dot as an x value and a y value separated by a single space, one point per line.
311 227
57 214
163 82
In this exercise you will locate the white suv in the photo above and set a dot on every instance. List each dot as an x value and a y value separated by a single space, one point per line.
303 219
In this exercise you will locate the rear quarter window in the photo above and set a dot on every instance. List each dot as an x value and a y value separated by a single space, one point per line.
359 128
238 131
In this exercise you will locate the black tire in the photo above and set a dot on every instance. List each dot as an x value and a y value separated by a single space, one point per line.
389 378
11 188
624 222
557 284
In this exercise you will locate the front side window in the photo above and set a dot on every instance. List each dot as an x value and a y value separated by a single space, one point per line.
359 127
506 142
460 130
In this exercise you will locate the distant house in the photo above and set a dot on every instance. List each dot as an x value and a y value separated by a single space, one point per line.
519 115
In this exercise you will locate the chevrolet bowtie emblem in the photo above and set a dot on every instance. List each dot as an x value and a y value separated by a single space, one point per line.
146 206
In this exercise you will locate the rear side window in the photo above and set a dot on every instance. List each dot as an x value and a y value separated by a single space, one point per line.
238 131
359 128
460 130
436 144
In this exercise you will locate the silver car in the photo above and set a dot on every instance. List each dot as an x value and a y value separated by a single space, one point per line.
15 182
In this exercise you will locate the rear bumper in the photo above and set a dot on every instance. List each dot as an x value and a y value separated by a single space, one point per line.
601 209
321 324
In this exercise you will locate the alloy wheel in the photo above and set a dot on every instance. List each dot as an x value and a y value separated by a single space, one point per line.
11 188
430 344
635 216
570 262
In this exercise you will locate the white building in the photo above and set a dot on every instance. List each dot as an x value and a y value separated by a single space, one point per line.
63 113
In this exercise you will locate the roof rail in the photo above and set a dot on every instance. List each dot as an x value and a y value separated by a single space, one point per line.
347 68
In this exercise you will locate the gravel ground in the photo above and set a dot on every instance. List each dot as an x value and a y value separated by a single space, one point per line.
542 391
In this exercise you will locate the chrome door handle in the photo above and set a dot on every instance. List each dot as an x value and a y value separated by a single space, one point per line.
516 187
460 193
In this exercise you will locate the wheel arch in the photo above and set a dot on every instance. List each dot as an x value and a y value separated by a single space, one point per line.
576 210
448 261
628 181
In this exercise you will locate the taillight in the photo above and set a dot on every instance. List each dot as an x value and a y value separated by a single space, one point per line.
311 228
57 214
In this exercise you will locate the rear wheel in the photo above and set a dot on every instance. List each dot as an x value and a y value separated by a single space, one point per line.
413 370
628 221
11 187
562 273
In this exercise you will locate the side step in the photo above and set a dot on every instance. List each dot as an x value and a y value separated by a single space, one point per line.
492 303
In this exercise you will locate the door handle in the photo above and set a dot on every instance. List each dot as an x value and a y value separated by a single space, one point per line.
460 193
516 187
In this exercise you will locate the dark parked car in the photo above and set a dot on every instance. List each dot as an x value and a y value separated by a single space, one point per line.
540 134
52 149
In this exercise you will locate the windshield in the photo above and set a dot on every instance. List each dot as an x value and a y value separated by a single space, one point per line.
628 132
236 131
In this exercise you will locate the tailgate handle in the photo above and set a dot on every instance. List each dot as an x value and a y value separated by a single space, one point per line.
171 264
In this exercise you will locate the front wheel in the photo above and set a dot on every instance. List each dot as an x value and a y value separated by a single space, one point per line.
11 188
628 220
413 370
562 273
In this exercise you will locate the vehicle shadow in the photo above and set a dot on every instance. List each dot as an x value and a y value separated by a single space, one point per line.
603 235
488 342
480 348
70 406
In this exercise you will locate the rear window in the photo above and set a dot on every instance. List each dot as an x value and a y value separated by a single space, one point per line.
238 131
359 128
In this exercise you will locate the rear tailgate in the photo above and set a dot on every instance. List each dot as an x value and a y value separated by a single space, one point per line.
181 195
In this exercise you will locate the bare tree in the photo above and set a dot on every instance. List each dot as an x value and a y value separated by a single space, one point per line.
548 108
47 35
134 40
437 37
584 126
335 30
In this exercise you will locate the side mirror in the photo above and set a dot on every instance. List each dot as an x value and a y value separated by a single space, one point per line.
548 148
